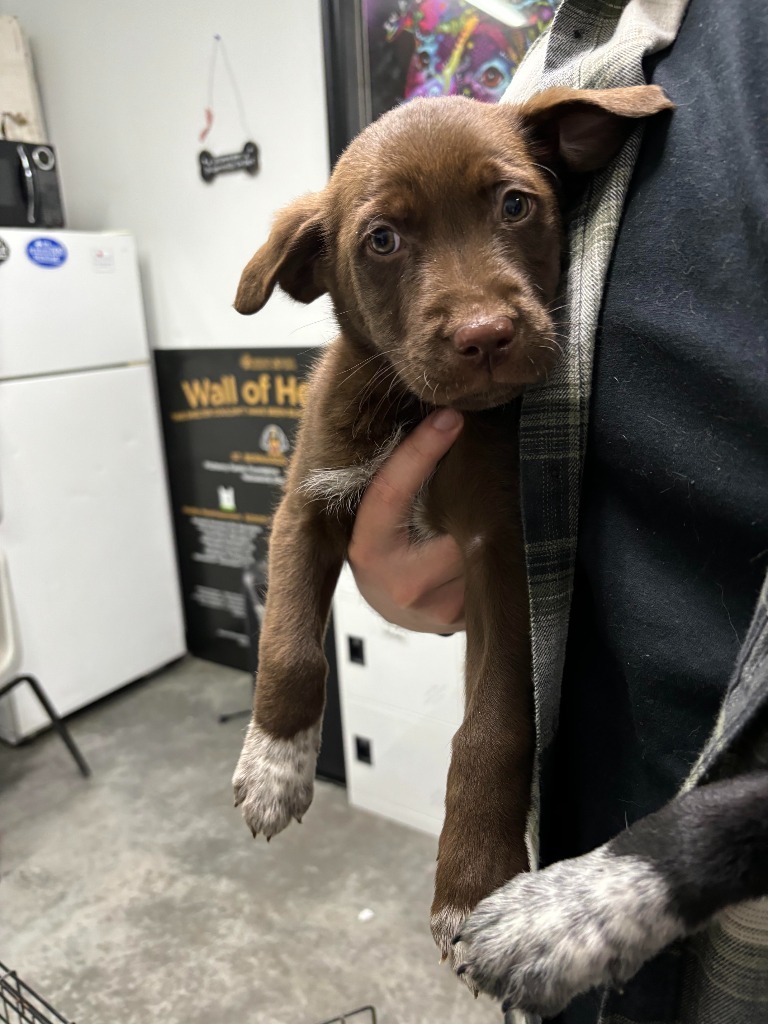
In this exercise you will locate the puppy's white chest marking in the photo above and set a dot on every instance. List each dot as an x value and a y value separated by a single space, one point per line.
342 489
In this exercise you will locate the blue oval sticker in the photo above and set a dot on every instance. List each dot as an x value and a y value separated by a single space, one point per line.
46 252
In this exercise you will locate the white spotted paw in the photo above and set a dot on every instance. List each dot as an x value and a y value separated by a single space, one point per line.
547 936
274 778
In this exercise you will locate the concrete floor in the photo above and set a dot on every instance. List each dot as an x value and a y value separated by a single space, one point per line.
139 897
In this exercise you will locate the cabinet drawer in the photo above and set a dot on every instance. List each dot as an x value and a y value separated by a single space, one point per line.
405 764
381 664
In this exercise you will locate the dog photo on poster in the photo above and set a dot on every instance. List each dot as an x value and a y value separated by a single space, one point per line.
448 47
229 418
381 53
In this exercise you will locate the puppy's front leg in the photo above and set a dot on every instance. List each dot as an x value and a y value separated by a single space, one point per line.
482 844
274 777
547 936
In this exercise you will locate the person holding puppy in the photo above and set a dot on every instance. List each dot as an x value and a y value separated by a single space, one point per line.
646 634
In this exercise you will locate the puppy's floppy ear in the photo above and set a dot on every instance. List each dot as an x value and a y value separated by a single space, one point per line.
288 258
583 129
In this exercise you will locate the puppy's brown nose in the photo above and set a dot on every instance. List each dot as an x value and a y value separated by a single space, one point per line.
485 341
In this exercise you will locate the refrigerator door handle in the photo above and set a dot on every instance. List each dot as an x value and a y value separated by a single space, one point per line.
29 183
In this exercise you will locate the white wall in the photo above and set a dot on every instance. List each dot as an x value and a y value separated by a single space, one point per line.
124 85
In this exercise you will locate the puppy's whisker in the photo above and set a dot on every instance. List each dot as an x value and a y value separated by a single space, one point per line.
384 398
392 382
401 399
426 385
414 387
357 366
553 346
369 386
351 373
313 323
378 379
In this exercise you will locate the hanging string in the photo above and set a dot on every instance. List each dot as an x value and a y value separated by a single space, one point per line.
218 45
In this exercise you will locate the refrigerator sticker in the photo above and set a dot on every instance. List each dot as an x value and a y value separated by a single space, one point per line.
5 252
47 252
103 261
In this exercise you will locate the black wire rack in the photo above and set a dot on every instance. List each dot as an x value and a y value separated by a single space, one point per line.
354 1013
20 1004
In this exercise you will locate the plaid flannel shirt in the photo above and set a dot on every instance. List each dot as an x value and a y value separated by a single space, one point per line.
721 975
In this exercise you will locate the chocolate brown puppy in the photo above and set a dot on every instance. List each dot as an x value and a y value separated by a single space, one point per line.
439 240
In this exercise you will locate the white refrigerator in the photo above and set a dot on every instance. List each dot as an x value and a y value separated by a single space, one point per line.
85 523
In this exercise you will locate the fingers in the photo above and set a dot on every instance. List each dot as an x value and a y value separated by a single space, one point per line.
387 502
416 595
418 586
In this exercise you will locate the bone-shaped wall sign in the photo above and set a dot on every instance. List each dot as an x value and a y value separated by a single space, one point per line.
246 160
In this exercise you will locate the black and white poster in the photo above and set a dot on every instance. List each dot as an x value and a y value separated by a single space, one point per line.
230 419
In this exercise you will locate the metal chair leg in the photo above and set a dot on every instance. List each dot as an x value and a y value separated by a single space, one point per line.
56 721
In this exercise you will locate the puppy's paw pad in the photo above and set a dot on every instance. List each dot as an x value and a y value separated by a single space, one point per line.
274 779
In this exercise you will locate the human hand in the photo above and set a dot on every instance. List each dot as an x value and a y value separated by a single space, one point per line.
417 586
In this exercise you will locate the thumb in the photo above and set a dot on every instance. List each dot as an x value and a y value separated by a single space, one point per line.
391 492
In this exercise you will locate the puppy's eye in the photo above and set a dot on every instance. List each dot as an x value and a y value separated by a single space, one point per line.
384 241
515 206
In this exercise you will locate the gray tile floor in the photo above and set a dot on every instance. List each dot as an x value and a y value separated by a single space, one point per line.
139 897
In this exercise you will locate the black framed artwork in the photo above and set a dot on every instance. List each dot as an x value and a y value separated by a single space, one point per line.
379 53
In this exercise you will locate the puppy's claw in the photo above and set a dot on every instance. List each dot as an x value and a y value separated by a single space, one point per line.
268 838
298 819
445 923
